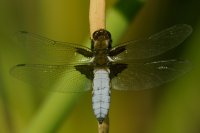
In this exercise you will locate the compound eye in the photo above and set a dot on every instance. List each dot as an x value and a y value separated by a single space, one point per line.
101 34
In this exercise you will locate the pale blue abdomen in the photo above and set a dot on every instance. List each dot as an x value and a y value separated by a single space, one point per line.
101 93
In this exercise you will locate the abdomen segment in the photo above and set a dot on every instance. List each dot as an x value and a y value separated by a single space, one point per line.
101 93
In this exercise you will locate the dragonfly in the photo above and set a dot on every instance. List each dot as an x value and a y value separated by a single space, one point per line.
102 67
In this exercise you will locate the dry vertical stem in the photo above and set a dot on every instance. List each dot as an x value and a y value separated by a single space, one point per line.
97 21
97 15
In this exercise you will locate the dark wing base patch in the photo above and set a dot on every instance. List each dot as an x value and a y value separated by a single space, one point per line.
84 52
87 70
115 69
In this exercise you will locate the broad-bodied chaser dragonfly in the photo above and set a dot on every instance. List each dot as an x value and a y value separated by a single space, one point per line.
103 67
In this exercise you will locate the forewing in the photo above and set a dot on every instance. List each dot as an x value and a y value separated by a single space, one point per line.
141 76
59 78
152 46
47 51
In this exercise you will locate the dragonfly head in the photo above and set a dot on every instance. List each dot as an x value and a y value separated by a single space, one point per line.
101 40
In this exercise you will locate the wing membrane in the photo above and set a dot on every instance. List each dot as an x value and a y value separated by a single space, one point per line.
60 78
152 46
141 76
48 51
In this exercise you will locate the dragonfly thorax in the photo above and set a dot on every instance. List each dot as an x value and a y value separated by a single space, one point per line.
101 45
101 58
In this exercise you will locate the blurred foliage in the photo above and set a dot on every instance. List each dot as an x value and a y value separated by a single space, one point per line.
171 108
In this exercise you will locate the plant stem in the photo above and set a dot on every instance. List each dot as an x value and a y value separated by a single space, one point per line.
97 21
96 15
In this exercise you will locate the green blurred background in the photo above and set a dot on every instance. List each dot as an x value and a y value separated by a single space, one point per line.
171 108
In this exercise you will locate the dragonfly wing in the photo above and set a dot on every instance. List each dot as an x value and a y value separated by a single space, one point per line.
59 78
48 51
141 76
152 46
